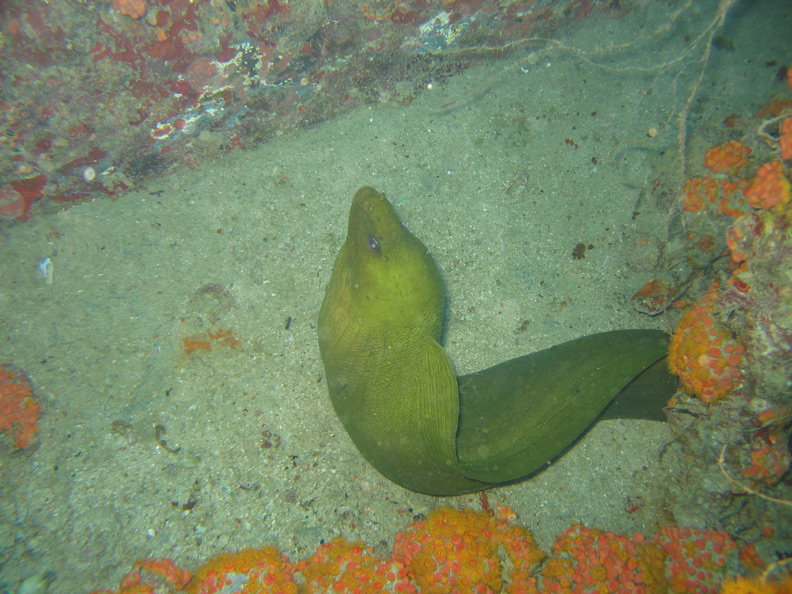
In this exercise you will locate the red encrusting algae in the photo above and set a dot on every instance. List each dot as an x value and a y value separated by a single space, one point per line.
769 455
18 410
158 575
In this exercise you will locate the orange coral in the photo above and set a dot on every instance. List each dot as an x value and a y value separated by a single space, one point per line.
770 187
703 354
339 567
697 558
591 560
729 156
447 554
461 551
469 552
254 571
133 8
523 555
786 139
18 410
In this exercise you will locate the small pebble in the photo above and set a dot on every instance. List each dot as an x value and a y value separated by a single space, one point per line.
46 270
36 584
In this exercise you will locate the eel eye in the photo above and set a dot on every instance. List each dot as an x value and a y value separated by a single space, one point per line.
373 244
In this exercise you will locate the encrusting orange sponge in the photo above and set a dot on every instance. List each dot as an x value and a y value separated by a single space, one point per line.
703 354
730 156
133 8
786 139
770 187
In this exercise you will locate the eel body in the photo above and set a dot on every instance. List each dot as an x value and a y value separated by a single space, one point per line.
395 391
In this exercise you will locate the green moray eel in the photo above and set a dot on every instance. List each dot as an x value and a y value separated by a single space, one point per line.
395 391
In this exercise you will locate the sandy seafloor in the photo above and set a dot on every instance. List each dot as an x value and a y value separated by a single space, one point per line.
501 199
